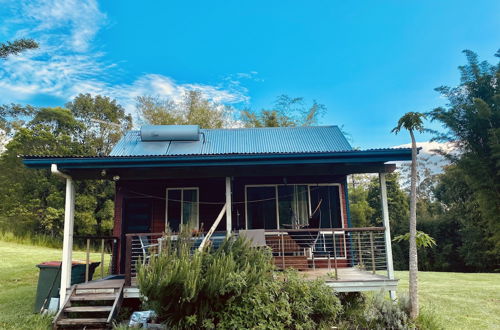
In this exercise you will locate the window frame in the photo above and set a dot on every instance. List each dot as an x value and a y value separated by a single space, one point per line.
309 185
275 201
197 189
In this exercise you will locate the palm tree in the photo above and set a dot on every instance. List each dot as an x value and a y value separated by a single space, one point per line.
412 121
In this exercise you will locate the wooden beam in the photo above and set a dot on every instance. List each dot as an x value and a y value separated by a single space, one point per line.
233 171
228 206
212 229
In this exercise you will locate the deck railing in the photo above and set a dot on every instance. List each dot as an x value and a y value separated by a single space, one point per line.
141 246
311 248
330 248
106 247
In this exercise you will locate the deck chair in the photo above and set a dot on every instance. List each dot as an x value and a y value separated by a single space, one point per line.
146 248
257 237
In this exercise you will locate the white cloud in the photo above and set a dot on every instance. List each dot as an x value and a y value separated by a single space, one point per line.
83 19
67 63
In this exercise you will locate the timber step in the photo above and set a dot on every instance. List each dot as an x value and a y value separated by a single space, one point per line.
93 296
89 309
91 305
296 262
82 321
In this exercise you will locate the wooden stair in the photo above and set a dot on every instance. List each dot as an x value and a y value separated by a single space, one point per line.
91 305
296 262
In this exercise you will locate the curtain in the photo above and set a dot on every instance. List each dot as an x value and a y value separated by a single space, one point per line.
293 201
190 207
300 206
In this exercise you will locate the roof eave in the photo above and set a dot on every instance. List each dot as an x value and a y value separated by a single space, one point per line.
369 156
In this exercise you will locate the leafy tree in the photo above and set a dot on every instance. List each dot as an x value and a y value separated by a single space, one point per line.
465 232
17 46
104 121
412 121
472 120
287 112
12 116
398 202
193 109
360 209
426 179
34 200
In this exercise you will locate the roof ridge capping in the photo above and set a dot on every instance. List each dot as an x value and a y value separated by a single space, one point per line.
244 128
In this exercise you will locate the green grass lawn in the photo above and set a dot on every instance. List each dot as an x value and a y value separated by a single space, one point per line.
463 301
18 281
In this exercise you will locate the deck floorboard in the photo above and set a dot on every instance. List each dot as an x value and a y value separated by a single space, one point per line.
350 274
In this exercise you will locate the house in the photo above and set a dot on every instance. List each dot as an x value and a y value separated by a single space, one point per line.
285 185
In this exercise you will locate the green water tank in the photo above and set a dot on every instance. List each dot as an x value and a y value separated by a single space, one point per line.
50 273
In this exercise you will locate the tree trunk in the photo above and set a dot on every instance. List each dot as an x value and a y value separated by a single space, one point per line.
413 232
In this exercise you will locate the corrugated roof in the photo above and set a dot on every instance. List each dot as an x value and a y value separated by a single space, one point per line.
269 140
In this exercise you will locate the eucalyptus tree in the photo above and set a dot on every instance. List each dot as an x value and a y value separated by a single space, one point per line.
412 121
104 119
286 112
192 108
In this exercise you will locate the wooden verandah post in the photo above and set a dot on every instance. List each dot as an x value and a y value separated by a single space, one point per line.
228 206
387 231
69 219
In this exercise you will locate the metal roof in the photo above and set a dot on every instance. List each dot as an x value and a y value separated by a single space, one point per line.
240 141
228 149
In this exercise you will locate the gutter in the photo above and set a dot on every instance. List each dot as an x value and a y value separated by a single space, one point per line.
216 160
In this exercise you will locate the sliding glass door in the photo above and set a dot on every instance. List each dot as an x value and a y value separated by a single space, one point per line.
293 206
261 207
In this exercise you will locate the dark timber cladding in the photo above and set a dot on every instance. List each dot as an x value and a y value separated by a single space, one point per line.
144 202
211 196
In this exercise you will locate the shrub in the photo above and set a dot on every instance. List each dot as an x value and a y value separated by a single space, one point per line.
264 307
186 287
382 313
232 287
312 302
375 312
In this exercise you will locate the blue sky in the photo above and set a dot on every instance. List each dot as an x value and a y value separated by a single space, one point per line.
369 62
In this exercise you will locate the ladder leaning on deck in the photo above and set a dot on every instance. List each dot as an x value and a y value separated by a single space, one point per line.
91 305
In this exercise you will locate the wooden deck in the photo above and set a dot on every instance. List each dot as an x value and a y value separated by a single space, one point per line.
352 279
349 280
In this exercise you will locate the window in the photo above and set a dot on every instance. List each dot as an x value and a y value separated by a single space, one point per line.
261 207
325 207
182 207
293 206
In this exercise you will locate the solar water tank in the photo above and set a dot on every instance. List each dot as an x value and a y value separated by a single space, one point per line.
170 133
